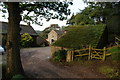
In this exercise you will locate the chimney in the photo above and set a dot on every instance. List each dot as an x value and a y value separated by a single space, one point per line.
28 23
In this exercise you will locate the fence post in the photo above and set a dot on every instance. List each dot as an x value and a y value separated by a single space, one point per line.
69 56
89 52
72 53
104 52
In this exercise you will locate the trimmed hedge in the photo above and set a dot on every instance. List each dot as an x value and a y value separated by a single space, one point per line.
79 36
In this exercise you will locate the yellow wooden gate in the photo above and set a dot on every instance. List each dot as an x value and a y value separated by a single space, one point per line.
92 53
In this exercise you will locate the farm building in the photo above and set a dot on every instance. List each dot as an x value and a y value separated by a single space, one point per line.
81 36
24 29
54 35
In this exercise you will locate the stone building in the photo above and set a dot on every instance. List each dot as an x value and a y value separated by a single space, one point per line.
54 35
37 40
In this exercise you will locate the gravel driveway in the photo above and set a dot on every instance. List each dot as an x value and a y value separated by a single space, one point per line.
36 64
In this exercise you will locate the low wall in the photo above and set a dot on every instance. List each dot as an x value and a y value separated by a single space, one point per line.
55 48
69 56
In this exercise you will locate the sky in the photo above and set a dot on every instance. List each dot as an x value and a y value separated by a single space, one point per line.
75 8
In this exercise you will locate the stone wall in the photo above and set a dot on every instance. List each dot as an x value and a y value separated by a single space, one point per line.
55 48
69 56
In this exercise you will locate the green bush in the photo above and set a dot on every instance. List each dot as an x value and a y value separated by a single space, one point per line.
26 40
59 56
115 53
18 77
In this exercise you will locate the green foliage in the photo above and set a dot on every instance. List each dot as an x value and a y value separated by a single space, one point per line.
109 71
97 13
79 36
59 56
26 40
82 18
42 10
18 77
115 53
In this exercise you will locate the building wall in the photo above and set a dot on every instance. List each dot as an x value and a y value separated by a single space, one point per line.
0 39
34 44
54 49
24 29
0 33
52 36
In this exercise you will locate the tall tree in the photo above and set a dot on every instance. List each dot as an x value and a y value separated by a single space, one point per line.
40 9
96 13
100 13
14 65
82 18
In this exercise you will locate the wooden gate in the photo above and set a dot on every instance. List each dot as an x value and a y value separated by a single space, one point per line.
92 53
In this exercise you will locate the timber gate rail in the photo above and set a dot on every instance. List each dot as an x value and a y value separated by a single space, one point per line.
117 40
92 53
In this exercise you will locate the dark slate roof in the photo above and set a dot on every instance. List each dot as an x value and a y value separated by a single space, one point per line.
3 29
24 28
59 32
27 29
40 40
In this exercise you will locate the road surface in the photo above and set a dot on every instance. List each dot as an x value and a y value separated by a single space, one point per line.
36 63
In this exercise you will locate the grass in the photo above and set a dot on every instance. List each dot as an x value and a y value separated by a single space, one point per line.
115 53
108 71
114 49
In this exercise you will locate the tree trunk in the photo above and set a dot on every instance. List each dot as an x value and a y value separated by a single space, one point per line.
14 65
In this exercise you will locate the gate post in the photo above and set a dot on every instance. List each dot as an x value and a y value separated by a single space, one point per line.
69 56
89 52
104 52
72 54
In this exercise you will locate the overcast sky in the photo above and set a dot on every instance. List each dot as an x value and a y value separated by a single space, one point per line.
77 4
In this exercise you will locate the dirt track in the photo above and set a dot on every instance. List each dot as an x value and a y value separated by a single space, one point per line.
36 64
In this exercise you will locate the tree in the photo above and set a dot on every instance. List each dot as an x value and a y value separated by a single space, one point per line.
96 13
107 13
14 65
100 13
43 9
82 18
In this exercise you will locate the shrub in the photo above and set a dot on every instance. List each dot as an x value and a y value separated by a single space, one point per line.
59 56
115 53
26 40
18 77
